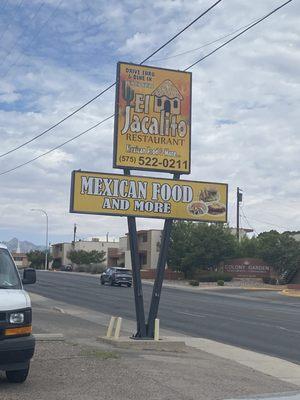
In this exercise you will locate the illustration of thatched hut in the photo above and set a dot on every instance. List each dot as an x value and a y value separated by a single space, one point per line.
167 98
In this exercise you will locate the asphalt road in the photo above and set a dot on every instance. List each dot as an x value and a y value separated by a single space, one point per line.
266 322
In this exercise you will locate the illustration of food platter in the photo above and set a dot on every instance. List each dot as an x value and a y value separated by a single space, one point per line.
208 203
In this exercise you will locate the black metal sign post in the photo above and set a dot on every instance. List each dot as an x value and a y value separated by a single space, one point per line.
136 276
160 272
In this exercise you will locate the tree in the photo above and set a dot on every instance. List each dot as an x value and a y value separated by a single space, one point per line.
196 246
80 257
280 250
37 258
179 245
248 247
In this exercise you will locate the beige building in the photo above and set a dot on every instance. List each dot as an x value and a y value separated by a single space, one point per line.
148 246
242 231
111 249
296 236
116 253
21 260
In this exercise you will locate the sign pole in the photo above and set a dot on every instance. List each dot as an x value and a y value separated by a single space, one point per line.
136 276
160 272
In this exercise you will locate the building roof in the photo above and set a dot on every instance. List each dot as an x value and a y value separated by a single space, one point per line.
145 231
14 253
167 88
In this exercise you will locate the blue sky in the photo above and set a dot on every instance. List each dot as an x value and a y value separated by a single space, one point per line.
57 54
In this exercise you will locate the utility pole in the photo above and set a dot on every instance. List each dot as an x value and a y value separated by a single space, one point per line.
239 199
74 234
47 233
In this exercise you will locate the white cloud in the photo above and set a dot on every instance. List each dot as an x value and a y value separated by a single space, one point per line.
246 97
137 44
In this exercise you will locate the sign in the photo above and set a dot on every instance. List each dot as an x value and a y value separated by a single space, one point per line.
152 119
139 196
247 267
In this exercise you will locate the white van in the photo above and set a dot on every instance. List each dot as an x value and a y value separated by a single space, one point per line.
16 341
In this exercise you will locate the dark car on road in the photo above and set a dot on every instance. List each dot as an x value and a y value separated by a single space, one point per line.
116 276
67 267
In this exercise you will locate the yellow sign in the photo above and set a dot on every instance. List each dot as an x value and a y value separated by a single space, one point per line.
140 196
152 119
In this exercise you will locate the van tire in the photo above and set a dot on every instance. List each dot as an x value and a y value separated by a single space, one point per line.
17 376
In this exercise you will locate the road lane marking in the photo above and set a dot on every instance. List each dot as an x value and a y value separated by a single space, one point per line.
193 315
238 320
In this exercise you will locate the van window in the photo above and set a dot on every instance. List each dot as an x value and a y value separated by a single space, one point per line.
9 277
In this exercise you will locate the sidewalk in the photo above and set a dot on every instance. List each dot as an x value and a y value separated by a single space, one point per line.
82 368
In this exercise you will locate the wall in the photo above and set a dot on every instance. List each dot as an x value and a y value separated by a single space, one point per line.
154 247
169 274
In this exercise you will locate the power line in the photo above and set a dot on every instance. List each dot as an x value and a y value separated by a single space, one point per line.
59 122
57 147
82 133
247 221
106 89
182 30
34 38
271 224
10 21
239 34
16 42
205 44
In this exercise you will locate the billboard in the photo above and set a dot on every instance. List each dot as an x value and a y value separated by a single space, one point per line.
152 119
139 196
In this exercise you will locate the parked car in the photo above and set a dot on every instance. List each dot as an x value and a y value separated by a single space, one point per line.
16 341
67 267
116 276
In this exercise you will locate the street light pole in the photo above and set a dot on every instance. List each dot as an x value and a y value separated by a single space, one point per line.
47 231
239 199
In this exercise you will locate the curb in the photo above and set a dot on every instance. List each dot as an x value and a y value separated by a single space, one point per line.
49 337
164 344
291 292
278 289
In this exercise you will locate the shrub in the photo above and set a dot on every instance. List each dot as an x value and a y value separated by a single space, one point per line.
270 281
215 277
220 282
80 268
194 282
90 268
266 279
273 281
97 268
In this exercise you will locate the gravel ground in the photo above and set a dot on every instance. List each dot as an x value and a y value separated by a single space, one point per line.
235 283
64 370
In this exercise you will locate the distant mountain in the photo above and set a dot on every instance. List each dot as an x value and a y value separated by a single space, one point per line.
24 246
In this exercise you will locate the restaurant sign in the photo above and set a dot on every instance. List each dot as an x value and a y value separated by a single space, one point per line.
139 196
152 119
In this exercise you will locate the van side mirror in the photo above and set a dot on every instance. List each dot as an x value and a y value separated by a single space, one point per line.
29 276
